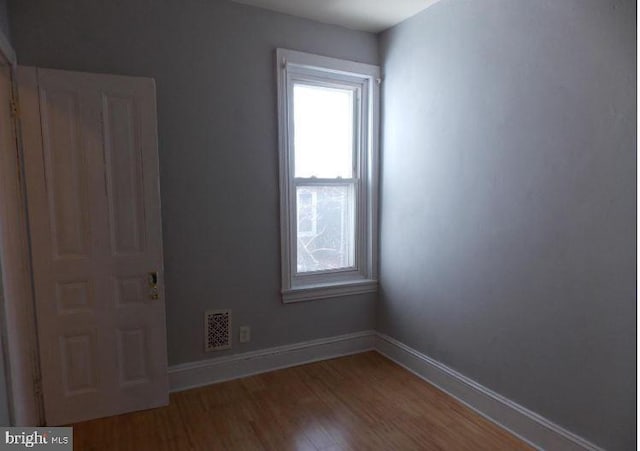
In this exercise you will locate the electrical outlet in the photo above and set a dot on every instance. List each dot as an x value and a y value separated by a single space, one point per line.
245 334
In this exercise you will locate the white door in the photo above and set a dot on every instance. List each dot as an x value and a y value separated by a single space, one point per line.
91 163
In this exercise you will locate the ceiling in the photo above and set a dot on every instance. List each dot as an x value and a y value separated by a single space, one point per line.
365 15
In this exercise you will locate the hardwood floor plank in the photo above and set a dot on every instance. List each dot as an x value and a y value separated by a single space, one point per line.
354 403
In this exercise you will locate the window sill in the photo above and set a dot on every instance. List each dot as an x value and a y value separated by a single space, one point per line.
313 292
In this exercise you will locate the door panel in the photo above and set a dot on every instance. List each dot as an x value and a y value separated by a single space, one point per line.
74 296
79 366
130 290
124 175
132 356
94 209
66 171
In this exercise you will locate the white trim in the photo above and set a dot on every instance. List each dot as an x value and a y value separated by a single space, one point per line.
205 372
19 310
329 291
530 427
28 400
7 50
338 66
362 78
520 421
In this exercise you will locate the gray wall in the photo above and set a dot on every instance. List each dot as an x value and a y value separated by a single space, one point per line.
508 202
214 66
4 19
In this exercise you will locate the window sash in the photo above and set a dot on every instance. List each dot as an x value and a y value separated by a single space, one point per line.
302 182
310 181
316 77
357 116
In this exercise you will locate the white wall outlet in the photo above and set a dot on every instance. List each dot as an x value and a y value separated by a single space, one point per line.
245 334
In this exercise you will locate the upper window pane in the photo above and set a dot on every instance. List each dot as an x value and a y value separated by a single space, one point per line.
323 131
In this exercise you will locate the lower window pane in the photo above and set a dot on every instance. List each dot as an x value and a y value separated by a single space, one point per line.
325 227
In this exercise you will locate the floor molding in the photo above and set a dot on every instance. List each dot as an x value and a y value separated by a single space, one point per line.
205 372
525 424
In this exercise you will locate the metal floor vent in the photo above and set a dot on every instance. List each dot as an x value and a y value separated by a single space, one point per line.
217 330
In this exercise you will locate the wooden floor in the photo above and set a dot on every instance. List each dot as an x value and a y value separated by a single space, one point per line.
360 402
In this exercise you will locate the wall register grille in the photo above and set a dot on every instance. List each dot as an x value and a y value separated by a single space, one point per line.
217 330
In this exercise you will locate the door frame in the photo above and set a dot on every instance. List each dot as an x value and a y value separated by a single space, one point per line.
20 345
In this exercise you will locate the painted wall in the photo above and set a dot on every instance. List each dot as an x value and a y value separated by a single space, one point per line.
508 202
4 19
214 66
508 216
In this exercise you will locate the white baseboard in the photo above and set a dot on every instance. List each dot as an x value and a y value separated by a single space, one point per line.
205 372
525 424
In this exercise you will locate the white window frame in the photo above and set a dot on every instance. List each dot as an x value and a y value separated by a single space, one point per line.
364 79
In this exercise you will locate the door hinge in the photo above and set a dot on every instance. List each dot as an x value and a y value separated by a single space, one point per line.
15 110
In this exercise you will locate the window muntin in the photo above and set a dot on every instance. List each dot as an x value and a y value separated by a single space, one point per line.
328 175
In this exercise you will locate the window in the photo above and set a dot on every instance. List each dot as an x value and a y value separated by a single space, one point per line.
328 118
